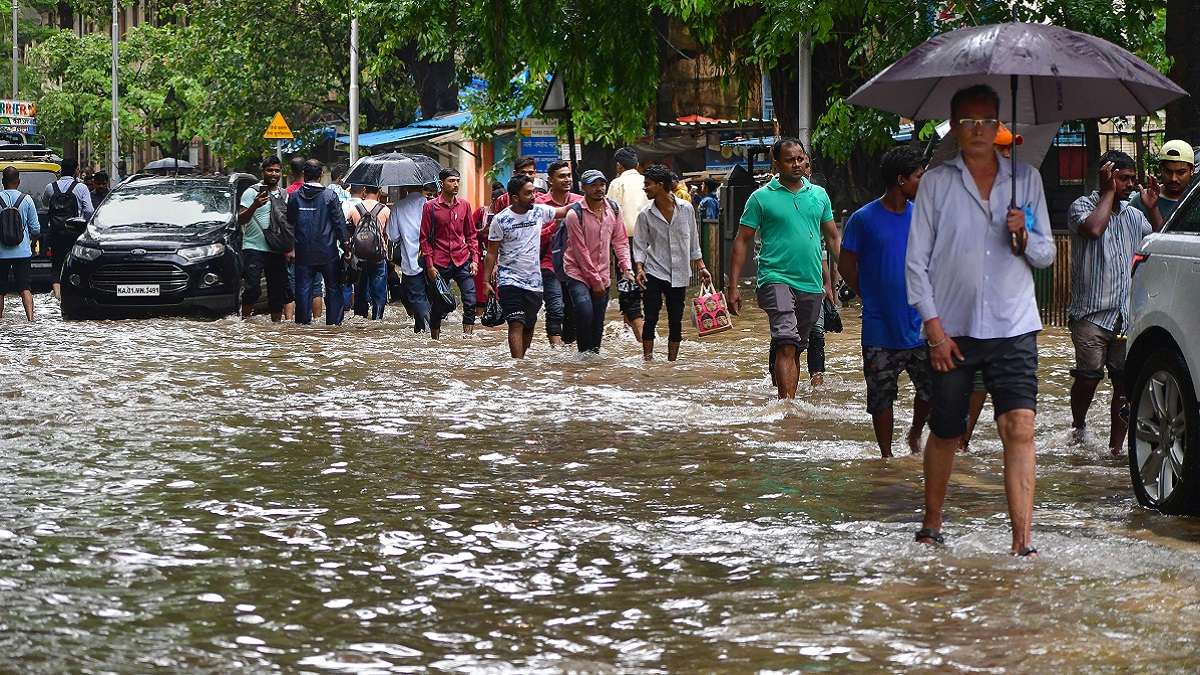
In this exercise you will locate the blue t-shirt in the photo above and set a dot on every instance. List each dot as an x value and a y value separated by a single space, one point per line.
880 240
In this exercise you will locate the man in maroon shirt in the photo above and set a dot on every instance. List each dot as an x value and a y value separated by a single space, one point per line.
524 165
450 249
560 195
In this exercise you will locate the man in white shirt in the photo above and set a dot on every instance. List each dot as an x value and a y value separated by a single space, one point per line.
404 233
628 190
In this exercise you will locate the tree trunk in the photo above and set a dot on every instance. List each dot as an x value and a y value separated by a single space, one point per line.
1183 116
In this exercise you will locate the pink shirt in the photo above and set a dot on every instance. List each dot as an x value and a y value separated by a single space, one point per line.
548 198
588 242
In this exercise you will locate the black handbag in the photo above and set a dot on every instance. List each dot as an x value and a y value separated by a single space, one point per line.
494 315
441 295
833 320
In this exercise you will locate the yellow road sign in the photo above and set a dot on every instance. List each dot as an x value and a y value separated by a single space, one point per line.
278 129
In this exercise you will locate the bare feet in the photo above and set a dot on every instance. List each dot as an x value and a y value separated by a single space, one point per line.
914 441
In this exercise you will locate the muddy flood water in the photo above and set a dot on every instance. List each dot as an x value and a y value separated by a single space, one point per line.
180 495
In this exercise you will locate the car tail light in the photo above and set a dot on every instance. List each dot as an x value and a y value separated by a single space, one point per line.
1138 259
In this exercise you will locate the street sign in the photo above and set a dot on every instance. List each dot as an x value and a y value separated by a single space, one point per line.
555 100
539 140
278 129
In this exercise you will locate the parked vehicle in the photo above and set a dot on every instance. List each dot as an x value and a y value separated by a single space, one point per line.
39 167
159 245
1163 363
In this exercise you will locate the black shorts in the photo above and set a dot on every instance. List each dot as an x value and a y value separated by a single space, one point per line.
18 268
629 296
1009 367
520 305
60 244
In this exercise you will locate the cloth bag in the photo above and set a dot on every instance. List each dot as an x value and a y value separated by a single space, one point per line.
710 311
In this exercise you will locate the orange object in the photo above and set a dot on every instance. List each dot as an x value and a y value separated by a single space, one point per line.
1004 137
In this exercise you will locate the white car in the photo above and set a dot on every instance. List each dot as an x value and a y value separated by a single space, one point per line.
1163 363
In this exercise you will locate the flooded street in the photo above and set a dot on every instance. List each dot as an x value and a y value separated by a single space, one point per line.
246 497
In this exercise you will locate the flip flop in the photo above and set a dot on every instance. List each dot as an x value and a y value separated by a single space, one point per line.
931 535
1027 552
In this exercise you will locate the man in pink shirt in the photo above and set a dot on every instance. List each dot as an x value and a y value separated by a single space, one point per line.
449 248
559 195
593 228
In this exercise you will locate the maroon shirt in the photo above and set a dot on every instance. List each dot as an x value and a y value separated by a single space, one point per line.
455 241
548 199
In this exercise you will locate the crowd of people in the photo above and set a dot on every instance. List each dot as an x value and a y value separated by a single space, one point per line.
943 262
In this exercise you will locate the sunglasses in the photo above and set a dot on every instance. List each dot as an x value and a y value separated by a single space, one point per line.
971 124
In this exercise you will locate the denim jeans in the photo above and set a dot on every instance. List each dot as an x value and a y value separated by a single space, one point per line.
306 276
552 298
461 275
589 312
415 295
372 288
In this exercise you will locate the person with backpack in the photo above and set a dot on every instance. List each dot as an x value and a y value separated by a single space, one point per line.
368 225
66 198
18 226
259 257
590 230
315 214
449 249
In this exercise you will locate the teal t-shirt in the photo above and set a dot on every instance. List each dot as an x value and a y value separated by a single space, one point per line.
789 225
252 231
1166 205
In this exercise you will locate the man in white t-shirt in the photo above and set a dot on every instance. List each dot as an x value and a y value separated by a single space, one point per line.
513 266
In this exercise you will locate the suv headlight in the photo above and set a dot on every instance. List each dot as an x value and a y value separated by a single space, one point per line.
85 252
202 252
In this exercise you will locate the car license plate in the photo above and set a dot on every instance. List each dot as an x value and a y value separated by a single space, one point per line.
137 290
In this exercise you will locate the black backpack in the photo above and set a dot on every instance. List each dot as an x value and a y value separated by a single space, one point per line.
368 244
12 224
62 207
279 234
558 245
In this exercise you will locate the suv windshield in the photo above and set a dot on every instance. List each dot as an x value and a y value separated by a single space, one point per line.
33 183
165 204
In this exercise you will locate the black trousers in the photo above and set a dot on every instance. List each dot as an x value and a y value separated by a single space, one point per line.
656 292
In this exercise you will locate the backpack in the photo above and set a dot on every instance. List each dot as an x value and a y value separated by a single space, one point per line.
12 224
279 234
368 244
558 245
62 207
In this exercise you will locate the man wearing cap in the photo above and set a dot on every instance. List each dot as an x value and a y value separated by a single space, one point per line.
594 227
1176 162
628 191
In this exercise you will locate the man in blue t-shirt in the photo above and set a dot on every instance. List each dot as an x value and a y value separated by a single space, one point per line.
873 252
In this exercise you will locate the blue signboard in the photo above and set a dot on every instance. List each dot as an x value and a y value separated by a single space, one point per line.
543 149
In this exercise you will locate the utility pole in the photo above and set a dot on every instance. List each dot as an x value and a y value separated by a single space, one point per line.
804 95
15 51
353 91
116 126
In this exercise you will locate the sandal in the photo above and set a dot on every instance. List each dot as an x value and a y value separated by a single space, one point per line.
1027 552
931 535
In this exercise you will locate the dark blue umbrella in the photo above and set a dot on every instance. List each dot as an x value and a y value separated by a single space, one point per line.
394 169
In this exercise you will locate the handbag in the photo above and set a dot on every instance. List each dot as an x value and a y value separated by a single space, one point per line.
710 311
833 320
442 295
494 314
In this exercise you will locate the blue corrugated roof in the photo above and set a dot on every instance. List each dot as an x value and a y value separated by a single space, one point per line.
451 121
433 126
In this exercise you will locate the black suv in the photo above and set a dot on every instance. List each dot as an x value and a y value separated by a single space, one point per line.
159 245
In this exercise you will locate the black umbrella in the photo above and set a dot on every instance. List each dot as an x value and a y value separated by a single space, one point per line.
1048 74
168 165
394 169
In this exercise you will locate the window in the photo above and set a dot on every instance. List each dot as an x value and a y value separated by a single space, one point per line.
1187 217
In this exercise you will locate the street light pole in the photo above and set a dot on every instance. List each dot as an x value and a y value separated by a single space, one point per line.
804 95
116 36
15 52
353 91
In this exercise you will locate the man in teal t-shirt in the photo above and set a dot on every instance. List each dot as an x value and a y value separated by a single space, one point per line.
791 216
257 257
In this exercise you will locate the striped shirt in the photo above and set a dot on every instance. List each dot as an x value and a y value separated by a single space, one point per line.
1101 268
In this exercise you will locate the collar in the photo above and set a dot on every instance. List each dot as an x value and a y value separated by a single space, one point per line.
314 182
1005 164
654 208
626 172
548 198
1121 204
774 184
441 199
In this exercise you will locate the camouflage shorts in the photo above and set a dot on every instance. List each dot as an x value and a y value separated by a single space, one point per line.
882 368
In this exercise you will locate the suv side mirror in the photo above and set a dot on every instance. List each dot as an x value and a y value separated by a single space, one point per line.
76 225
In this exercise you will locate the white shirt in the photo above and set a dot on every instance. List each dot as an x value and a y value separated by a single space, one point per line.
404 228
629 192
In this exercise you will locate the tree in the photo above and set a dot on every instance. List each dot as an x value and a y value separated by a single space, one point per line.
1183 116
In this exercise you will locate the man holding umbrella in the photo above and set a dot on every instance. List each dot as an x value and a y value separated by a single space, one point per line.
976 299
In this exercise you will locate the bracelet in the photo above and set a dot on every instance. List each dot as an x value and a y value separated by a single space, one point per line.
935 346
